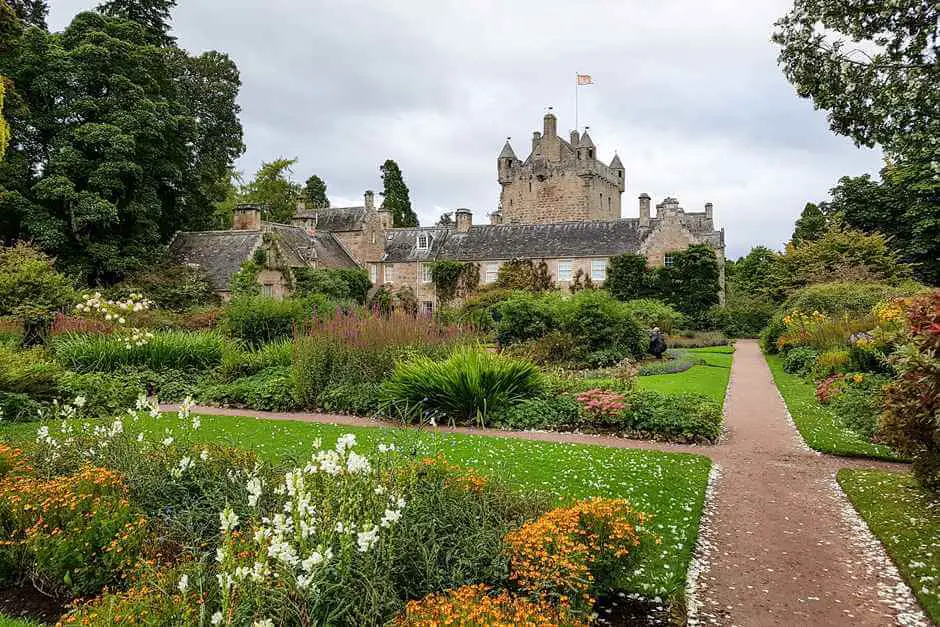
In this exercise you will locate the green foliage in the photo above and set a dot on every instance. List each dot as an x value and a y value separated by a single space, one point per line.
4 127
153 15
522 317
176 287
748 277
674 417
356 398
258 320
832 361
454 279
691 284
177 350
687 338
601 323
238 362
844 298
101 183
628 278
465 388
912 400
395 196
314 193
651 313
800 360
274 190
524 274
31 290
810 226
105 394
271 389
557 412
858 405
338 284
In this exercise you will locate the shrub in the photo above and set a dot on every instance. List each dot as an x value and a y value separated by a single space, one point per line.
104 395
600 406
31 290
800 360
859 403
653 313
479 605
524 274
603 325
477 310
358 399
912 400
179 350
576 553
176 287
697 339
740 319
466 387
673 417
820 331
258 320
338 284
79 532
833 361
454 279
557 412
271 389
555 347
839 299
524 317
238 362
29 372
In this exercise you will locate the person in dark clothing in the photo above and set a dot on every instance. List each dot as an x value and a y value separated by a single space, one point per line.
657 343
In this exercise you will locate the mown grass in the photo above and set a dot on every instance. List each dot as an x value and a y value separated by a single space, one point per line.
670 486
6 621
906 519
820 428
710 378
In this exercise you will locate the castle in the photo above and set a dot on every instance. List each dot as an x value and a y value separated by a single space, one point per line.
560 205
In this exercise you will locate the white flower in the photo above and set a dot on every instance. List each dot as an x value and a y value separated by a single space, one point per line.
140 437
380 490
121 320
204 455
386 448
254 487
79 401
340 527
317 443
390 516
267 622
345 441
167 441
228 520
196 422
184 583
367 538
216 618
316 558
356 464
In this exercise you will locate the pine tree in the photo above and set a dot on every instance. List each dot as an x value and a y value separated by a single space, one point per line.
153 15
314 193
395 196
810 226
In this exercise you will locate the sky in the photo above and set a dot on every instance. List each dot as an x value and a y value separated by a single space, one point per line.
688 93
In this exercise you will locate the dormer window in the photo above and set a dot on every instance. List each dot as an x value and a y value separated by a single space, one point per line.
424 241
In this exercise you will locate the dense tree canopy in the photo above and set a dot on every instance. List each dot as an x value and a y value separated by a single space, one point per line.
273 188
153 15
31 12
4 127
751 275
810 225
315 193
118 141
395 195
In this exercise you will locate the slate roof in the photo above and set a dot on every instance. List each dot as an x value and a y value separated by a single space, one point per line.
336 219
221 253
401 244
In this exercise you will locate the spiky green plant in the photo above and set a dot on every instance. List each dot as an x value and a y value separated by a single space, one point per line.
463 388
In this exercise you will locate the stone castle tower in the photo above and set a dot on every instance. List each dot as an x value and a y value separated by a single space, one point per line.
560 181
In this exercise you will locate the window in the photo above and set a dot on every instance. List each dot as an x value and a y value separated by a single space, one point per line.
373 237
374 272
424 241
492 273
267 290
564 270
389 273
427 307
427 274
598 270
608 202
668 260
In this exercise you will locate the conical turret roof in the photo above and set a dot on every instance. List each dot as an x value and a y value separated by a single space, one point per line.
586 141
616 162
507 151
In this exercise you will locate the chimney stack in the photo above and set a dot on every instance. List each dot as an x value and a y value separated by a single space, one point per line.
464 220
550 126
536 138
644 209
575 139
496 217
370 200
709 211
247 218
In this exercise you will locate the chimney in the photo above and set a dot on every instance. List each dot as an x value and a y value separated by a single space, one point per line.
496 217
464 220
644 209
247 218
536 138
550 124
370 200
575 139
709 210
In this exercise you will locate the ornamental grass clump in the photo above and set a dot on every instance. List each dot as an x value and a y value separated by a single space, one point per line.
464 388
572 555
177 350
481 605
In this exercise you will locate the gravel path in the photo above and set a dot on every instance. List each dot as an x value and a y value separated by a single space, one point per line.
780 543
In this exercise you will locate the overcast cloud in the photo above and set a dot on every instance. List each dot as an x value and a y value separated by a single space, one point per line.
687 92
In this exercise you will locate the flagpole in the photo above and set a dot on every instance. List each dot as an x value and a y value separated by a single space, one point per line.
575 101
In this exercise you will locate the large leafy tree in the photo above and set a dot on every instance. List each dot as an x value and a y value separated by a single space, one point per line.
273 188
395 195
810 225
874 67
118 140
153 15
32 12
315 193
751 274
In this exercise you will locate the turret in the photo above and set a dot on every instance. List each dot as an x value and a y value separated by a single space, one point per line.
644 209
369 199
586 147
575 139
616 166
505 162
550 124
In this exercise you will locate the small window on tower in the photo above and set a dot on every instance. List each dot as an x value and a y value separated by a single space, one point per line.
530 186
668 260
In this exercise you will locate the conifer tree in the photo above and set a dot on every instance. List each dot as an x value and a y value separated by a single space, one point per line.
314 193
395 196
810 226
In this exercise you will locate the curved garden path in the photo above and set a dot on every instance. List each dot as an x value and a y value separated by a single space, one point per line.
781 545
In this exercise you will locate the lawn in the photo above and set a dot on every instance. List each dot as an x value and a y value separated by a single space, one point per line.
710 378
820 429
671 486
907 521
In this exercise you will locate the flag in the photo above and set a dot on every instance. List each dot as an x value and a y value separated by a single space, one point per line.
585 79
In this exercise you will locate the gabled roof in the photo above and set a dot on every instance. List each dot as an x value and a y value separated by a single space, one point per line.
401 245
336 218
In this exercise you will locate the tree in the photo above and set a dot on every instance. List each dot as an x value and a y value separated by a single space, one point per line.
524 274
4 127
810 225
692 284
315 193
446 219
30 12
752 273
628 277
31 290
273 188
395 196
116 143
153 15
